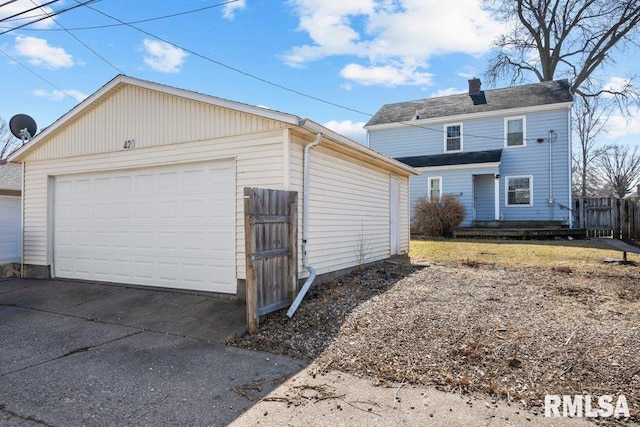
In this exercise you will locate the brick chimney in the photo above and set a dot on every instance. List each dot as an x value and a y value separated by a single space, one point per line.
477 95
474 86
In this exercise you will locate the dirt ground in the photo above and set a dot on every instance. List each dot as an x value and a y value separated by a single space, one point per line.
513 334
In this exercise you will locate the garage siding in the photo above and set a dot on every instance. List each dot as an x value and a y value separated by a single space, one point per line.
349 204
150 118
258 161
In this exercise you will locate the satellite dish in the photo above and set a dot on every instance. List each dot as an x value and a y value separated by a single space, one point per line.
23 126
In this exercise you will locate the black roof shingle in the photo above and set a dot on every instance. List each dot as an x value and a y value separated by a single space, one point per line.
451 159
544 93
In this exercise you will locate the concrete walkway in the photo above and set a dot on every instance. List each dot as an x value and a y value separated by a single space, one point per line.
621 246
77 353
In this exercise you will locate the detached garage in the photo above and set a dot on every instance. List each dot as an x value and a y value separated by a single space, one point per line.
143 184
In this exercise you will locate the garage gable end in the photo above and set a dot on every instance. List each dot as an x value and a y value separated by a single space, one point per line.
131 116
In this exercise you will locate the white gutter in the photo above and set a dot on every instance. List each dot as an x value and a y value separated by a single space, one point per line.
305 228
22 223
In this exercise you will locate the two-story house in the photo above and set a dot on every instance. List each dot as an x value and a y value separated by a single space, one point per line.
505 153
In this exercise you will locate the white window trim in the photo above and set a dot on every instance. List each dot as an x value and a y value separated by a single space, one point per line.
524 131
461 138
506 191
429 186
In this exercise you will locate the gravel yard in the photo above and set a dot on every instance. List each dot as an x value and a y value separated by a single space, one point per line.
514 333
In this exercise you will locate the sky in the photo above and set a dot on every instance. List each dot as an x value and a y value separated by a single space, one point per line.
335 62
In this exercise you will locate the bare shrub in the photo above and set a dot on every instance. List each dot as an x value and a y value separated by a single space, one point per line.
437 218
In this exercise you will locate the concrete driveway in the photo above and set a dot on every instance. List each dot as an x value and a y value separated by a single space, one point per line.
78 353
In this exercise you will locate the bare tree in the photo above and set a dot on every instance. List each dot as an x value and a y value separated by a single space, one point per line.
8 142
589 122
619 169
572 39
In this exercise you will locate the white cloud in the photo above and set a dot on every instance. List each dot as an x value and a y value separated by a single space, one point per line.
353 130
401 34
163 57
386 75
446 92
619 127
41 53
231 8
19 6
59 95
616 84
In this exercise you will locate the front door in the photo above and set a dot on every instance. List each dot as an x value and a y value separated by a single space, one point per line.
484 197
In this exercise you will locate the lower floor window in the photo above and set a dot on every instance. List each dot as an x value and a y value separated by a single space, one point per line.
435 189
519 190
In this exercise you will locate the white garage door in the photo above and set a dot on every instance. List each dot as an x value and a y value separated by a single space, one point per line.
170 226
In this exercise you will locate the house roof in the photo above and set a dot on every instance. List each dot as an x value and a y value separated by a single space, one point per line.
452 159
545 93
120 80
10 176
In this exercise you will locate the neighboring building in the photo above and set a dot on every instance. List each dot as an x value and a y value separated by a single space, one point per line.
505 153
10 231
143 183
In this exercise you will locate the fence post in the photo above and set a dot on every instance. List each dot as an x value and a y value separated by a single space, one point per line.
293 245
252 291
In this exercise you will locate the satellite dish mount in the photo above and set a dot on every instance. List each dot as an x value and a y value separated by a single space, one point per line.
23 126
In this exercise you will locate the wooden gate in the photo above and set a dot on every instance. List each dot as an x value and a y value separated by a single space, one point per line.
608 217
271 249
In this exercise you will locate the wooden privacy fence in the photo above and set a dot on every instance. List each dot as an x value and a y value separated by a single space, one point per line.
608 217
271 249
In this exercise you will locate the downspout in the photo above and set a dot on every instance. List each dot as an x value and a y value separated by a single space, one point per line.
552 138
305 228
22 222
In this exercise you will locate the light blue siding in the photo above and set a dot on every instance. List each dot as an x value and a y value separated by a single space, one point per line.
487 133
458 183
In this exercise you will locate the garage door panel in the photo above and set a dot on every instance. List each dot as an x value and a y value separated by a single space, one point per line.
171 226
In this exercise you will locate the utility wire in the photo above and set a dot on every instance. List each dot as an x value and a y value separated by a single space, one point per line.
85 45
206 58
37 75
8 2
277 85
6 18
58 12
237 70
157 18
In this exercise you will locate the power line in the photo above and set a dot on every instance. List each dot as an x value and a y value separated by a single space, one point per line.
277 85
229 67
206 58
6 18
50 15
37 75
8 2
85 45
157 18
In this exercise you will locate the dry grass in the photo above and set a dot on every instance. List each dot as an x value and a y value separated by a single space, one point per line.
569 255
514 320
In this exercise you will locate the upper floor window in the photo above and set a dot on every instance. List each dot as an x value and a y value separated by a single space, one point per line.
453 137
514 130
